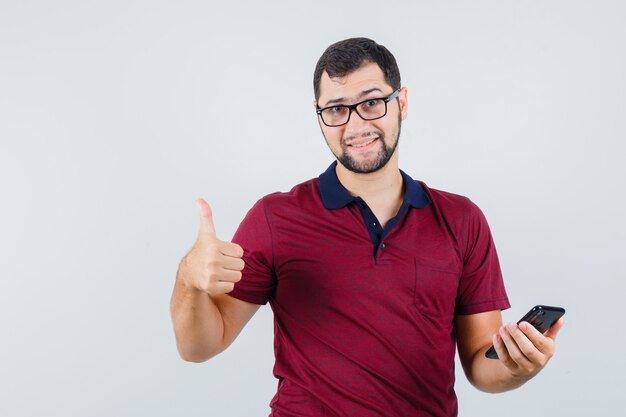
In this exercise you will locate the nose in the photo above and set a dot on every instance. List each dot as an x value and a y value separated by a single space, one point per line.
355 122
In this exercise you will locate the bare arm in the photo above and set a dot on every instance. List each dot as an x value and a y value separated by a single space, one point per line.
207 320
523 350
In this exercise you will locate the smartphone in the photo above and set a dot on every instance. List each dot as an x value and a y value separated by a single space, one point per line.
540 317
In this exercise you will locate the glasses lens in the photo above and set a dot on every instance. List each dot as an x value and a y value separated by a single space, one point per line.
368 110
372 109
335 116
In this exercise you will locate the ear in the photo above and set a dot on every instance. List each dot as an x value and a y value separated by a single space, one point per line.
319 121
404 102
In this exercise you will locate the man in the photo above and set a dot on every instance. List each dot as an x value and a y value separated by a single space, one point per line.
372 276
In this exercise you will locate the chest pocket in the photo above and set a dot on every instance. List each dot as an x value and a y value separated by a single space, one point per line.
436 286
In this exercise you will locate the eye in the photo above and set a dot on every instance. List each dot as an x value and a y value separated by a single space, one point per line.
372 103
336 109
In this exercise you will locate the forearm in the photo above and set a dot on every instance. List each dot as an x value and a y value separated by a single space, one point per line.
198 323
490 375
522 350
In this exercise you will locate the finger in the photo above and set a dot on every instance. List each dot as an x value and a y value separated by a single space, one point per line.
206 218
541 342
233 264
230 249
230 276
532 349
552 332
500 348
511 346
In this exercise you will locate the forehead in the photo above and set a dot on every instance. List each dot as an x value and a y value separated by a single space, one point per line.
348 87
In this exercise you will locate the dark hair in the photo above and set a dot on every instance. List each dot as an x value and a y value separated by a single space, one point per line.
346 56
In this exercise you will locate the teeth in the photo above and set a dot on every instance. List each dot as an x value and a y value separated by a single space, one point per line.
364 144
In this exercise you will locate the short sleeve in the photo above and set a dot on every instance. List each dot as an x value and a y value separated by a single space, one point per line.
481 285
254 236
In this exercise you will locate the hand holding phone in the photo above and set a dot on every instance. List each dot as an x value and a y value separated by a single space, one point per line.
540 317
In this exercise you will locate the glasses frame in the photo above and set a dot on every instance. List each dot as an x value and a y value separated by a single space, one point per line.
354 107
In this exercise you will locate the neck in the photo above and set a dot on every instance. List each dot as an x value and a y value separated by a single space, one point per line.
381 188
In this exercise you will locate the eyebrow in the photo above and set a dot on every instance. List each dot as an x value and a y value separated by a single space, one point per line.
361 95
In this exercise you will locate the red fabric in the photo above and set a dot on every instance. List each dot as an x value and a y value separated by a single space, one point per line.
357 335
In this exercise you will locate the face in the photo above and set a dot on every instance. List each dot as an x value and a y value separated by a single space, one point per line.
362 146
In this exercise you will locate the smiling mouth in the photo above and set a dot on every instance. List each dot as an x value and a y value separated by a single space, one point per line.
364 144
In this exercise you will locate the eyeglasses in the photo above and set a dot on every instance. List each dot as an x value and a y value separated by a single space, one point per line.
370 109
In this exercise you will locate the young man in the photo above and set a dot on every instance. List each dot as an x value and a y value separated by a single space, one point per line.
373 278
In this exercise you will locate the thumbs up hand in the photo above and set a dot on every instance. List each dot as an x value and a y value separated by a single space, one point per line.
212 265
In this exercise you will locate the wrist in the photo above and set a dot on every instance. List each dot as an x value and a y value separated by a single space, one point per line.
183 276
518 378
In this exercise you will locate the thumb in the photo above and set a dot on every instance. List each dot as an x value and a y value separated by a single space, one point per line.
206 218
555 329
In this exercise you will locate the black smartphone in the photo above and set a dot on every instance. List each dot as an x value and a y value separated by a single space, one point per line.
540 317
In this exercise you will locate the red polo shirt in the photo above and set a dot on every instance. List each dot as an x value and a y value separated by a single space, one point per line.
364 316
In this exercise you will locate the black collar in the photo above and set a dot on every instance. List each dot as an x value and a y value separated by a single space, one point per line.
335 195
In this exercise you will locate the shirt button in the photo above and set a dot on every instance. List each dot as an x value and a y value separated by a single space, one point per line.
373 224
382 246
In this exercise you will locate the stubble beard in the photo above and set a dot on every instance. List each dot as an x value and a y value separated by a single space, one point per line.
382 158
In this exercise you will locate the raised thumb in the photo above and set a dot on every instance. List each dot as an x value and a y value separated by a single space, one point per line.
206 218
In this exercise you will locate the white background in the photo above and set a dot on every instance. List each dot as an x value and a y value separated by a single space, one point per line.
115 116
